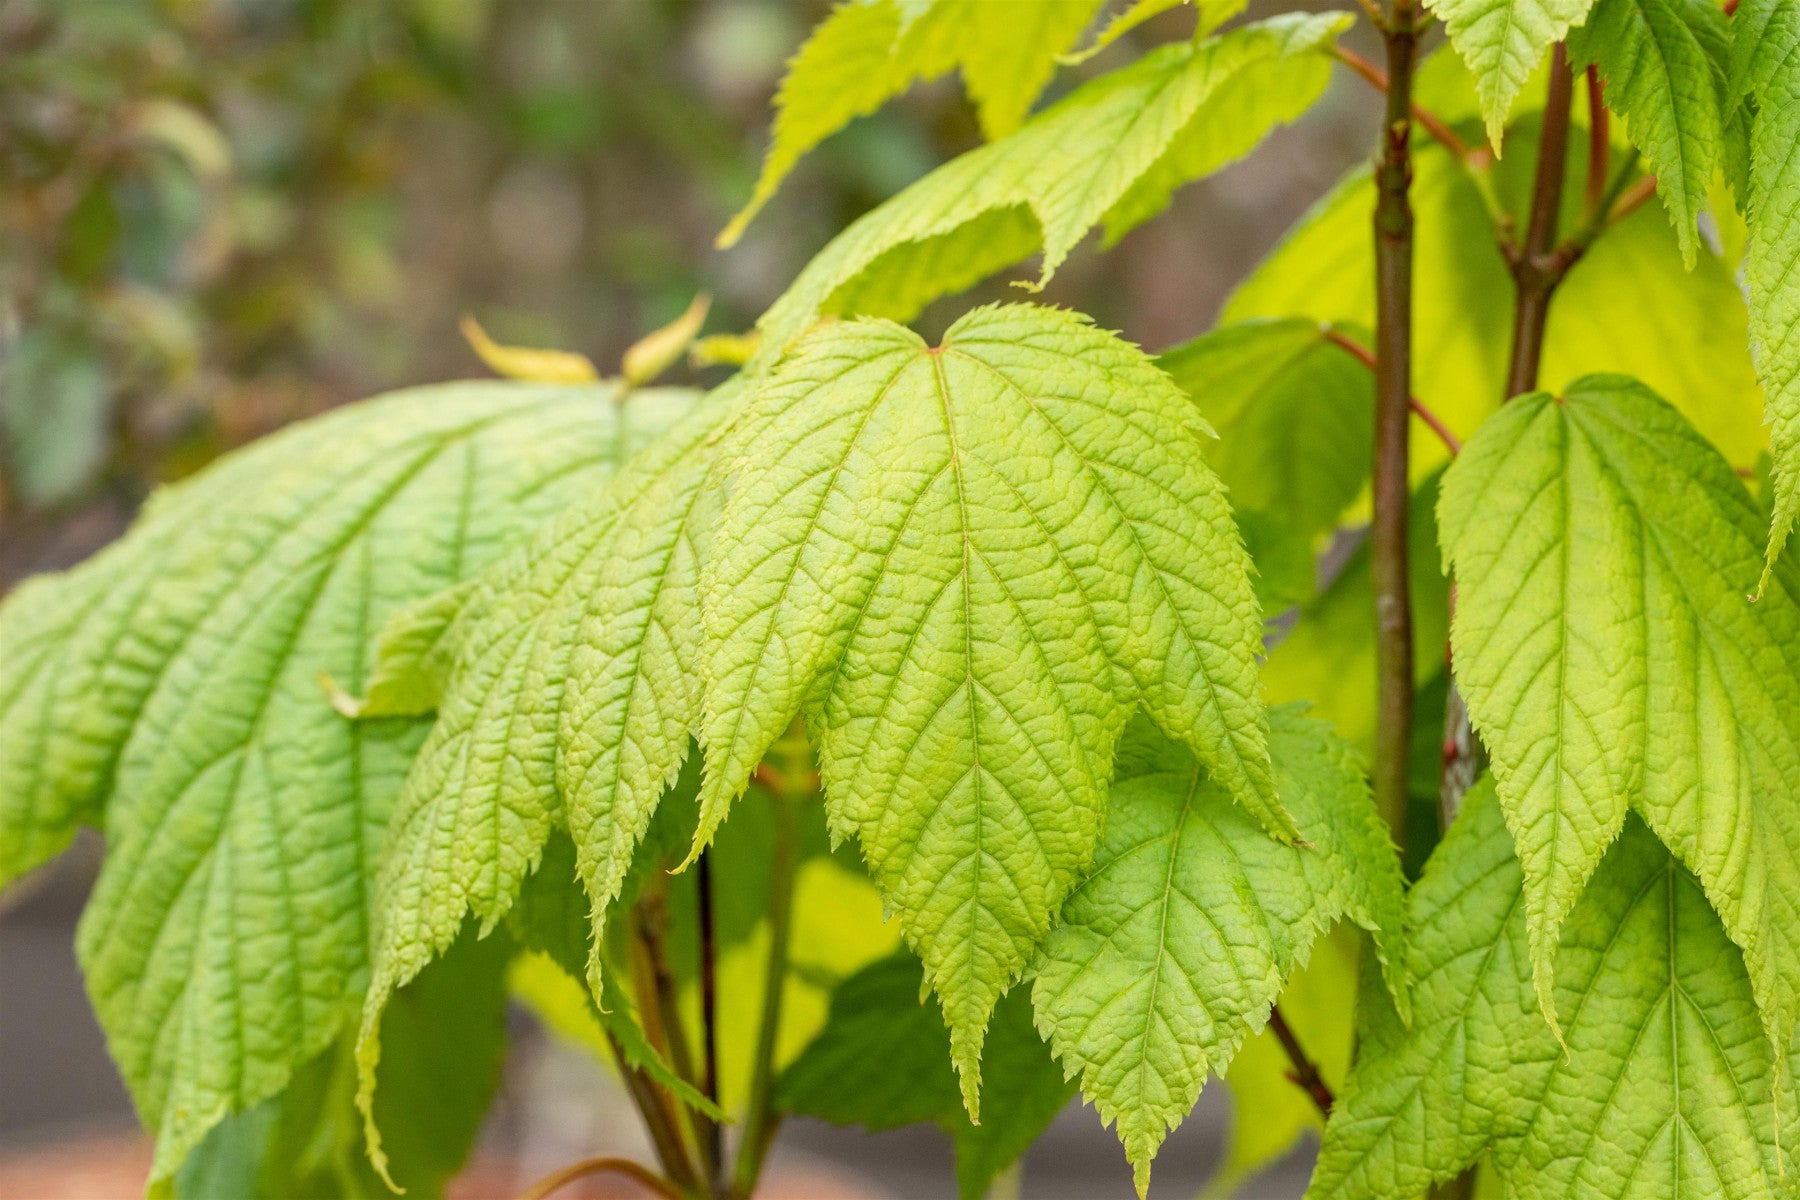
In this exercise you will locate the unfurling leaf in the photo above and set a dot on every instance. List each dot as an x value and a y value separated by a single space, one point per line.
1663 1087
659 350
965 566
1192 918
170 686
1602 552
525 363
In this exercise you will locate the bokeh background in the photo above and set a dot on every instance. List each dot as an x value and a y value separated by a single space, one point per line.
220 216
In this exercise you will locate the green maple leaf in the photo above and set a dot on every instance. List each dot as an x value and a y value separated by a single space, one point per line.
1503 41
1663 61
1111 152
170 688
965 566
869 51
1173 949
567 694
1602 552
1664 1086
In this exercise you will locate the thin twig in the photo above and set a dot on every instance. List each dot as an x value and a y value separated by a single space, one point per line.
601 1166
1305 1074
712 1151
1429 121
658 1112
1599 145
1366 357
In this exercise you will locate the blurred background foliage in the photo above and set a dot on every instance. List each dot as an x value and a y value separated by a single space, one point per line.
218 216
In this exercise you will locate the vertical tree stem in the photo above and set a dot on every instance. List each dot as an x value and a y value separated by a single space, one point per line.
761 1120
1393 393
707 1130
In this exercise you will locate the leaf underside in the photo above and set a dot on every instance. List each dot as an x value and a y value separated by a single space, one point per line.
171 689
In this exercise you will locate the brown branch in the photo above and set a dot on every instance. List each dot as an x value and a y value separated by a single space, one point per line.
709 1135
1366 357
602 1166
1393 229
1538 267
1305 1074
1429 121
1599 145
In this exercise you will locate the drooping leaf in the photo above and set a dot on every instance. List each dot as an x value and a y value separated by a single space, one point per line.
869 51
1602 552
1295 416
566 704
1173 949
883 1061
447 1036
1629 305
965 566
1662 73
1503 41
170 687
1764 67
1111 152
1665 1088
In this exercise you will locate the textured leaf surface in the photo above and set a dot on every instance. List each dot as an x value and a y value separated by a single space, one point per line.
567 705
1766 66
1295 416
1665 1089
965 566
883 1061
1658 59
1112 151
447 1034
1503 41
1602 551
1173 949
173 682
1629 305
868 51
